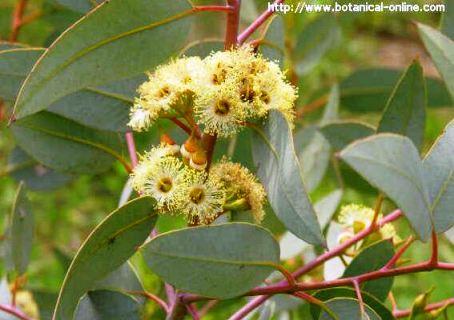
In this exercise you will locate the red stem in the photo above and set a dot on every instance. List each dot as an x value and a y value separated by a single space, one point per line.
152 297
359 296
14 312
131 148
184 127
192 310
256 24
214 8
17 19
399 253
428 308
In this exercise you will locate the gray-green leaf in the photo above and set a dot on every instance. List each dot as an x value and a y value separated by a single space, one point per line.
19 236
391 163
110 245
441 49
370 259
405 112
117 40
348 308
278 169
111 305
341 133
439 176
221 261
64 145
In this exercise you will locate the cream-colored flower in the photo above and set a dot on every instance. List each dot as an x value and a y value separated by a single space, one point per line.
204 197
240 183
220 111
141 119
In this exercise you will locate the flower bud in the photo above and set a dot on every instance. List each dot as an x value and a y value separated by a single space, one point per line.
198 160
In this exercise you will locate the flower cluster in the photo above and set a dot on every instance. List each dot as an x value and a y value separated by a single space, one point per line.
223 91
355 218
166 173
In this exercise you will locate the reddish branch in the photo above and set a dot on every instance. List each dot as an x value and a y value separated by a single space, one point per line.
14 312
214 8
152 297
17 19
256 24
428 308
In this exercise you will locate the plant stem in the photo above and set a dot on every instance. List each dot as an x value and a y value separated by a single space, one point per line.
17 19
131 148
152 297
177 310
180 124
256 24
14 312
213 8
428 308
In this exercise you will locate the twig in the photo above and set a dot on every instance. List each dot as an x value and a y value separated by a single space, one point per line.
207 307
17 19
355 283
14 312
428 308
180 124
152 297
313 300
312 106
256 24
399 253
131 148
213 8
192 310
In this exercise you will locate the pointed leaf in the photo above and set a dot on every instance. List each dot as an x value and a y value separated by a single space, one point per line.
221 261
117 40
439 176
104 304
64 145
278 169
36 176
20 232
348 308
341 133
392 164
370 259
441 49
447 19
405 112
110 245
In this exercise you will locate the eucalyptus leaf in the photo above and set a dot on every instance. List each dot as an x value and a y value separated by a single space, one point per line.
439 177
14 65
368 90
110 245
348 308
391 163
19 235
441 49
278 168
341 133
108 305
124 279
331 293
373 258
221 261
36 176
117 40
317 38
5 45
64 145
272 40
202 48
447 19
81 6
405 112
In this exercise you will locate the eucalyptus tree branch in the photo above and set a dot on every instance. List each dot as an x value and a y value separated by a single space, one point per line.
428 308
256 24
17 19
14 312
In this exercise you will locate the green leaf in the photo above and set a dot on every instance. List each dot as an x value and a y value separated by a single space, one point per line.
110 245
392 164
341 133
5 45
439 176
104 304
447 19
368 90
348 308
117 40
19 235
373 258
81 6
272 44
405 112
64 145
122 279
14 65
36 176
105 108
221 261
441 49
202 48
371 301
278 168
314 41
